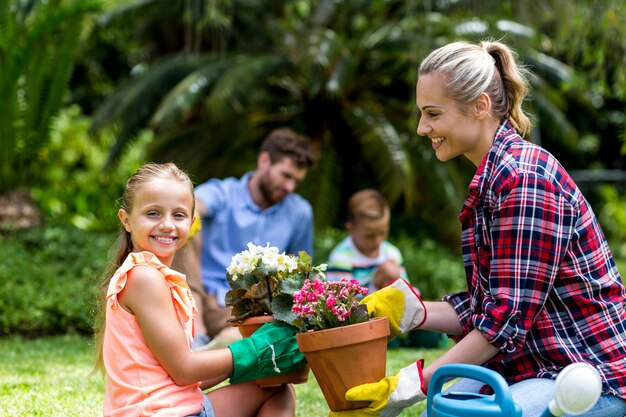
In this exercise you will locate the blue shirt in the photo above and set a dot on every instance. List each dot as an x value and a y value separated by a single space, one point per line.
233 220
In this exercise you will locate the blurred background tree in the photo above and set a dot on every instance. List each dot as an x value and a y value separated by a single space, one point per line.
210 78
203 81
38 46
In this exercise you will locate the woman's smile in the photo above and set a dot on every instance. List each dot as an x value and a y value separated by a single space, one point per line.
437 141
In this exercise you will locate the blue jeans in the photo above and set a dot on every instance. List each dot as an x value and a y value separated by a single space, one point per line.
533 396
207 409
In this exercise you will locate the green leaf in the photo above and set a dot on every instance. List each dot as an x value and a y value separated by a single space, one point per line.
233 295
290 285
281 308
359 314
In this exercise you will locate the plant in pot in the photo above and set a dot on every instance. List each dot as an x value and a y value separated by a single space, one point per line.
343 344
263 282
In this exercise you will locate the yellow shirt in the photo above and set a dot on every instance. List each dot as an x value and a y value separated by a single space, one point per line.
136 384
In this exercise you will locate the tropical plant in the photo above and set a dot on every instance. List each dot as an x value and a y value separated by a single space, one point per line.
263 282
73 188
613 219
38 44
337 73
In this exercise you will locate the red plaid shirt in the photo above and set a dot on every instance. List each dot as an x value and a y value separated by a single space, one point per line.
542 283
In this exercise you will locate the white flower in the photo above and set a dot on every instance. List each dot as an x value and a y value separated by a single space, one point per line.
234 263
291 263
287 263
254 249
270 257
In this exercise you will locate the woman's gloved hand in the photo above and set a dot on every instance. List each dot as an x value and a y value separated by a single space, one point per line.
271 350
390 395
400 304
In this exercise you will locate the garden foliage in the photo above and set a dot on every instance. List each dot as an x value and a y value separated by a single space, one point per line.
49 276
38 44
48 280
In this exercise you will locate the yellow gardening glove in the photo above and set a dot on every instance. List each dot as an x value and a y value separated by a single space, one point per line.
196 226
389 396
400 304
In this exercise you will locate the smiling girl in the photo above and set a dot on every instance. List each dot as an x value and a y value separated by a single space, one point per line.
146 324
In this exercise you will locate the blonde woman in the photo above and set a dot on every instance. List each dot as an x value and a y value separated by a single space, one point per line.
543 289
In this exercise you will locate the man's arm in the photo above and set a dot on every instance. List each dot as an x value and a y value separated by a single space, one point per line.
201 208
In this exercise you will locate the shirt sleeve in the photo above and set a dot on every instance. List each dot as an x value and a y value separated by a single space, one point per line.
524 245
461 303
339 266
212 194
303 232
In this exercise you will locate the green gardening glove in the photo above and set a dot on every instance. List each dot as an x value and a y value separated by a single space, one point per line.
389 396
270 351
400 304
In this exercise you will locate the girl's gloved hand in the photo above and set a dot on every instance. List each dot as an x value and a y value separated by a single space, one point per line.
390 395
400 304
271 350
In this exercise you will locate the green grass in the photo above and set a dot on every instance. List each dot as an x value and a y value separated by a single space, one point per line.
48 377
51 377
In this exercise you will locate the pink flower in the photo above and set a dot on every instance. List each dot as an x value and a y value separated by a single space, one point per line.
326 304
331 301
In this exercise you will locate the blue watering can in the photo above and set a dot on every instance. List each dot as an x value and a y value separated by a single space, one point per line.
577 388
462 404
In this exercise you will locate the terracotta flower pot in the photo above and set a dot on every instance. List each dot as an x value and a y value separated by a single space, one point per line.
344 357
249 326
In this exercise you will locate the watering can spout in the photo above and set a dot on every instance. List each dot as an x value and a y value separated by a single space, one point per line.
578 387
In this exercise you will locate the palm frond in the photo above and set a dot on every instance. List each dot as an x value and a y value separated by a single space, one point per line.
38 42
207 149
134 103
385 151
323 188
181 99
241 83
131 10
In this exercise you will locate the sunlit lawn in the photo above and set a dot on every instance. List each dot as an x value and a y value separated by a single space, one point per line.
51 377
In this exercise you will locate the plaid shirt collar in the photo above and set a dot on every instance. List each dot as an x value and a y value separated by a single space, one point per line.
478 186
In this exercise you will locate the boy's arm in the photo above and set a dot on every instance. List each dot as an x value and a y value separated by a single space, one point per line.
386 273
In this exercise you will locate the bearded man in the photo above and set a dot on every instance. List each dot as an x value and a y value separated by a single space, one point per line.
260 207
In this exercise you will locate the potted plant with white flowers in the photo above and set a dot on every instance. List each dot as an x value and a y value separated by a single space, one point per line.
263 282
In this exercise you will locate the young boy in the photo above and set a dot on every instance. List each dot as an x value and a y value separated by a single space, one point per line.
365 254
